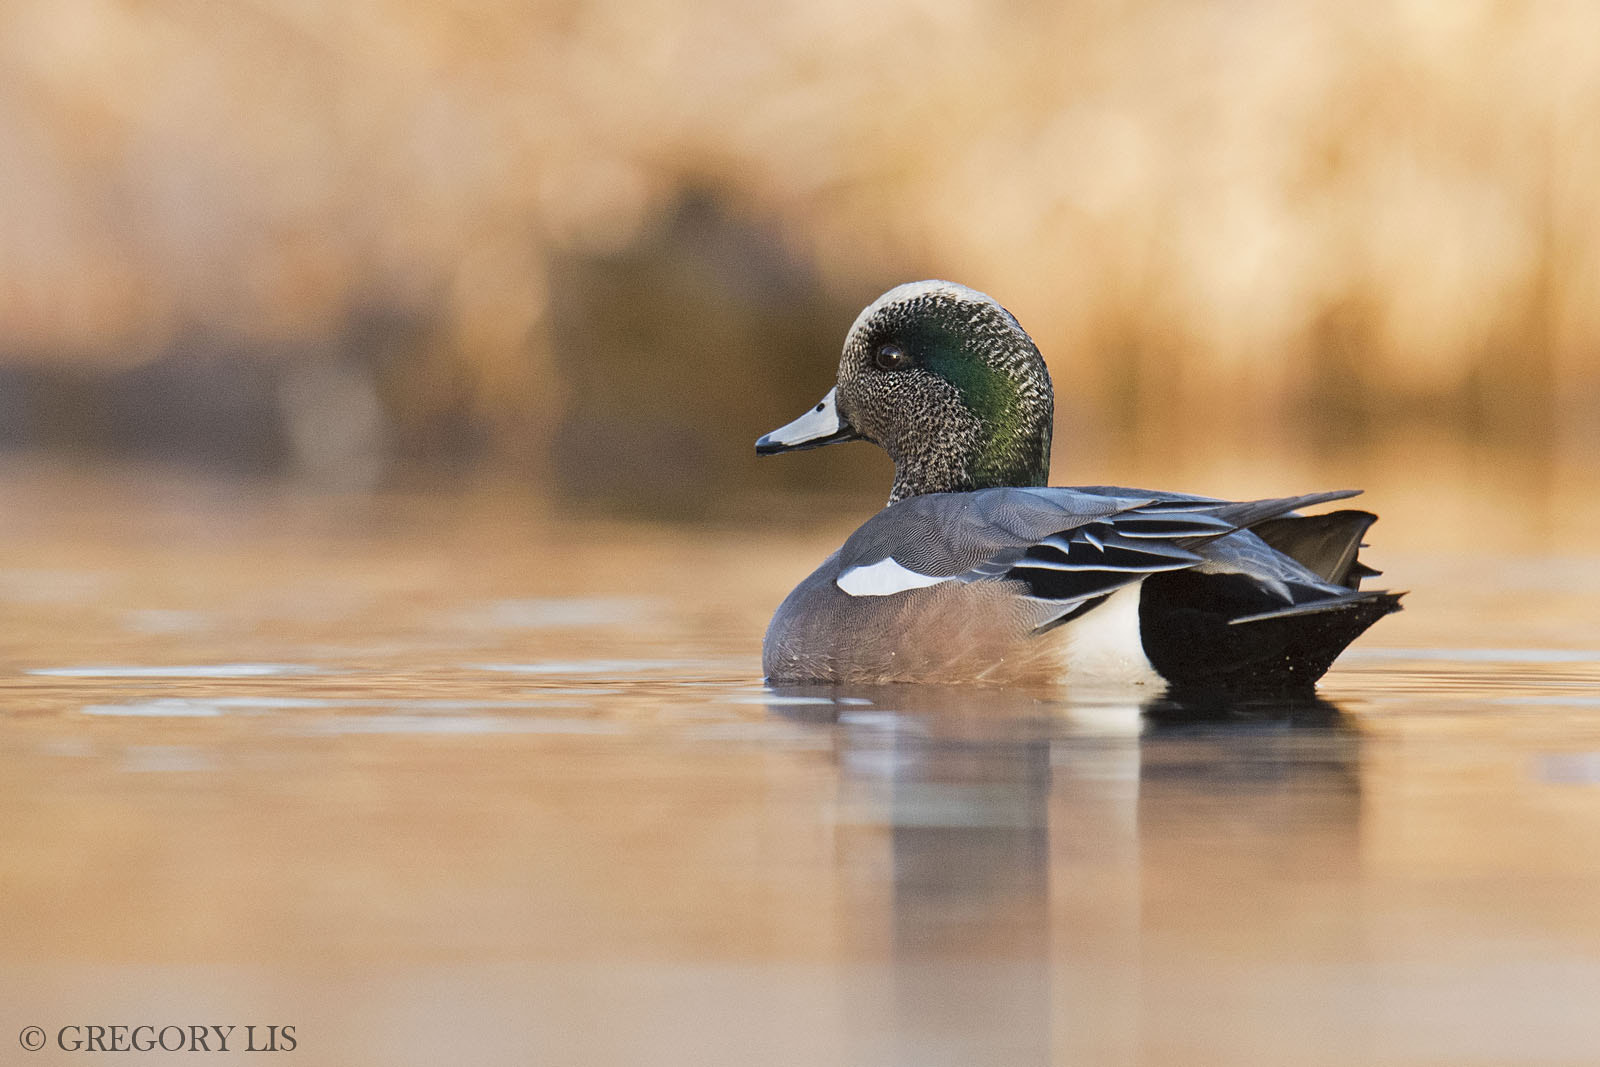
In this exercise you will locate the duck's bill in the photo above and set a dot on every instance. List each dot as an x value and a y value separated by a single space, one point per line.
822 425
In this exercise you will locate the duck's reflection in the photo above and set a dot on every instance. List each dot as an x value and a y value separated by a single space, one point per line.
1007 835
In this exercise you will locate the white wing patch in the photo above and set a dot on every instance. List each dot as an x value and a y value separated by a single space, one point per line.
883 578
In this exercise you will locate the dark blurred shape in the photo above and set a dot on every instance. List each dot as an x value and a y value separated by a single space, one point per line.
679 350
344 411
670 356
207 400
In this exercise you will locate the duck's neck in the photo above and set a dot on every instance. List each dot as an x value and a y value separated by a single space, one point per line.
985 455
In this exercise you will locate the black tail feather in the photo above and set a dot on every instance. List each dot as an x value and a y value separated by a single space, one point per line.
1187 620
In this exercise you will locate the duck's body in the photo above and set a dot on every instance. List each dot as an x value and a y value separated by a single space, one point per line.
977 573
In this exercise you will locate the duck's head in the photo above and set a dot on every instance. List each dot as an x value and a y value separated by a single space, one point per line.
947 382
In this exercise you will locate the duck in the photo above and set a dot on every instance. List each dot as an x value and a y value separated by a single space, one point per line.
977 571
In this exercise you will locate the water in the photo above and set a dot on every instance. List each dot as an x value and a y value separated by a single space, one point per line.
463 781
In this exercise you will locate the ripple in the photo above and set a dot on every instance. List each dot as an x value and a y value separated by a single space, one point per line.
546 612
147 759
213 670
464 724
588 666
1569 768
1475 655
158 709
192 707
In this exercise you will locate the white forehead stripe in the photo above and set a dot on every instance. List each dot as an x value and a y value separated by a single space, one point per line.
883 578
912 290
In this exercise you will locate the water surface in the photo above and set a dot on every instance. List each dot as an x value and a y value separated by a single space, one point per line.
464 781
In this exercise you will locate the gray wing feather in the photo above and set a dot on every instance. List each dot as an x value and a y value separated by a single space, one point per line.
948 534
1070 546
1292 582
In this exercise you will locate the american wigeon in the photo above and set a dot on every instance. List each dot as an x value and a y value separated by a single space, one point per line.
976 572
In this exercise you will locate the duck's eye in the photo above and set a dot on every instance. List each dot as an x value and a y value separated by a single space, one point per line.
890 357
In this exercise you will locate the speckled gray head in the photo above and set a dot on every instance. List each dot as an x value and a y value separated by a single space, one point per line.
947 382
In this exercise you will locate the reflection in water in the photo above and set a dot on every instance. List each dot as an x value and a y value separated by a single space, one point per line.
1017 828
1249 828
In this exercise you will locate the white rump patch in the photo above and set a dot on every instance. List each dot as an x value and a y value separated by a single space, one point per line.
1103 645
883 578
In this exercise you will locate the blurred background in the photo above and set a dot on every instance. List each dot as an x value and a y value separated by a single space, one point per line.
591 249
384 558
